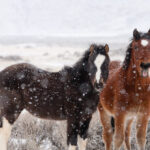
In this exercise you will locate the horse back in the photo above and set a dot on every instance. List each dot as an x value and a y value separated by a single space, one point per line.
47 95
14 75
114 66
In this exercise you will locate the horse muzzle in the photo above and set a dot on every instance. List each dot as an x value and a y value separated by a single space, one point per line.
145 72
99 85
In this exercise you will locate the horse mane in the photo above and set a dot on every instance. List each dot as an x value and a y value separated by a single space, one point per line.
82 62
127 59
79 69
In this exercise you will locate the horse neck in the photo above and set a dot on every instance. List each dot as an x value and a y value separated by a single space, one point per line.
80 74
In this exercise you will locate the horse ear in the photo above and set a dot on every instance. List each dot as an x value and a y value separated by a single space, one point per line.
136 34
92 48
106 48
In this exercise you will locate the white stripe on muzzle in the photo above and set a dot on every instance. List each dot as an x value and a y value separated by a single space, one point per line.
98 62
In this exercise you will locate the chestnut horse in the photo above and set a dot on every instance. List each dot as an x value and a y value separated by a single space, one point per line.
71 94
127 95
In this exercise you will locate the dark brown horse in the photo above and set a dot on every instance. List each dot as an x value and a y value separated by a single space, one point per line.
71 94
127 95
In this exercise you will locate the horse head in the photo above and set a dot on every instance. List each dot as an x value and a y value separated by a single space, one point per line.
141 52
98 64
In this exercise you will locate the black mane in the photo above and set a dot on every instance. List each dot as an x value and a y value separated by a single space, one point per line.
83 61
79 69
127 57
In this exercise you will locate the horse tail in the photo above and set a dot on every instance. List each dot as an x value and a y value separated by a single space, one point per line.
113 124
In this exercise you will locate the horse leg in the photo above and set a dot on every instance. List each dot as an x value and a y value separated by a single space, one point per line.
142 122
10 109
83 129
72 132
119 131
107 128
7 122
5 132
127 134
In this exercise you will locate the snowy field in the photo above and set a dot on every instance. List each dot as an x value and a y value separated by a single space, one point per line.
30 133
53 53
54 33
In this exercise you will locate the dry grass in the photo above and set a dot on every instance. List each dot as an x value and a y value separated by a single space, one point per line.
30 133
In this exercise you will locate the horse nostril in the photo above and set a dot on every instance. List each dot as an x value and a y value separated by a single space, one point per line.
99 85
142 65
145 65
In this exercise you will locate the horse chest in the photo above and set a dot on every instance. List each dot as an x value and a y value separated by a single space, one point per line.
138 102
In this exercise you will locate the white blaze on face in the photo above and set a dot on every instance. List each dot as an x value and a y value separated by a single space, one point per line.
144 43
72 147
82 143
98 62
5 133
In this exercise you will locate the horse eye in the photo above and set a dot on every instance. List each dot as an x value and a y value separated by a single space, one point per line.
136 48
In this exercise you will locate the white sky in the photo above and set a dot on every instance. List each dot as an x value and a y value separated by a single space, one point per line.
73 17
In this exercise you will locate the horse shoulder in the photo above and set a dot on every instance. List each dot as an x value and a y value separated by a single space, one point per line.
109 94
